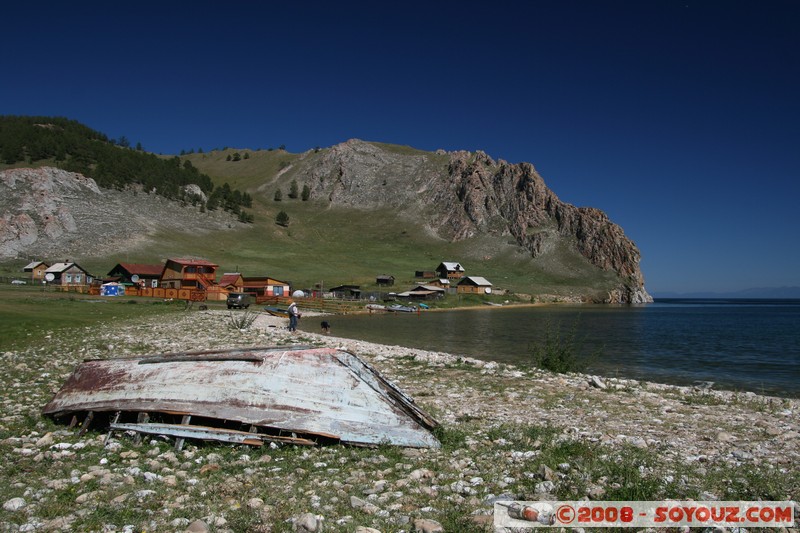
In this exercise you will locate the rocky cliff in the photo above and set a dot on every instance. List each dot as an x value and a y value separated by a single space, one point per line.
463 194
49 212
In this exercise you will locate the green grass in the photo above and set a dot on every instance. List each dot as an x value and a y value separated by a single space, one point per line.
29 314
337 246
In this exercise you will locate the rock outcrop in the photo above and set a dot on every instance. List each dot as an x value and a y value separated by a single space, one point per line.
47 212
463 194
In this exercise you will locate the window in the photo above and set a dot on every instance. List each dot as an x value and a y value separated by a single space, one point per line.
77 278
68 278
278 291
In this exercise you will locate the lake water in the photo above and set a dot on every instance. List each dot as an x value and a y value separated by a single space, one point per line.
738 344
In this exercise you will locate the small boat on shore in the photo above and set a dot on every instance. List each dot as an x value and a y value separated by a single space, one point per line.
375 307
397 308
296 395
277 311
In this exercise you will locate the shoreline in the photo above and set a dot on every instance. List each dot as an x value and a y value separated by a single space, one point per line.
685 440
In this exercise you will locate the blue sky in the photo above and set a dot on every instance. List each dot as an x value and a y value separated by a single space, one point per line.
681 120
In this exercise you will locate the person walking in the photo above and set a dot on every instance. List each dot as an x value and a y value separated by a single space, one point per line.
294 315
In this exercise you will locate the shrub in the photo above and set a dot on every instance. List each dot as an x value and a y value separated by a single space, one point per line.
559 352
282 219
241 320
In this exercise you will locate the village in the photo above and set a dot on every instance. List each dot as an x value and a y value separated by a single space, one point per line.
198 280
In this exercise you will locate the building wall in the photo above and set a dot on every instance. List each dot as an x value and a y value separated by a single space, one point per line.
74 276
470 289
37 274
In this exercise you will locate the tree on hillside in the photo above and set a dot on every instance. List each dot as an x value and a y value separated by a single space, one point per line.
278 195
293 190
306 193
282 219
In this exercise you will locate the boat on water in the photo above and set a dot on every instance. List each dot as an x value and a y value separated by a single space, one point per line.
298 394
277 311
397 308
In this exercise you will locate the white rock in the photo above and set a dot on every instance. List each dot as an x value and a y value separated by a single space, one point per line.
14 504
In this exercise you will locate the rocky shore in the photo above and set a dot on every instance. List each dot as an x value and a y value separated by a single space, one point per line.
506 433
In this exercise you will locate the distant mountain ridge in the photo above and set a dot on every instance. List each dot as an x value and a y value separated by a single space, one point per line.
757 292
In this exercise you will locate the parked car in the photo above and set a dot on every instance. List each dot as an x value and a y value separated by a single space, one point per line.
18 282
240 300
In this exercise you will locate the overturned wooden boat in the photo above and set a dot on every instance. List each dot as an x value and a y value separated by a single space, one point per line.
299 394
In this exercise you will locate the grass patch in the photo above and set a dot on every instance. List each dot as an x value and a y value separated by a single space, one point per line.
29 314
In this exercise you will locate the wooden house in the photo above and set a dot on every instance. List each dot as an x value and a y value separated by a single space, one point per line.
265 286
146 276
424 274
232 282
443 283
474 285
196 274
385 280
450 270
38 269
423 292
68 275
346 291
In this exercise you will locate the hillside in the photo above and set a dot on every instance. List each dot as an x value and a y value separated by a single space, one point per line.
366 209
489 209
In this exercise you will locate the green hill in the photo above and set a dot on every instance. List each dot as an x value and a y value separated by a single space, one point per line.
369 209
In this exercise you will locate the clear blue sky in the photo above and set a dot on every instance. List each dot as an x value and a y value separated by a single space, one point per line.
681 120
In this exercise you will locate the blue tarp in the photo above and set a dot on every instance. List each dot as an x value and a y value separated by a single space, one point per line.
112 289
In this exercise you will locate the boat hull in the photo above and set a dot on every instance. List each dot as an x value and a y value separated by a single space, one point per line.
312 393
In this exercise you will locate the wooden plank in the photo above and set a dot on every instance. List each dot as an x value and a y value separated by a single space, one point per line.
180 440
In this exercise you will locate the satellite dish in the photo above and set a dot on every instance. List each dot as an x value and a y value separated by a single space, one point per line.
488 290
49 276
298 294
135 278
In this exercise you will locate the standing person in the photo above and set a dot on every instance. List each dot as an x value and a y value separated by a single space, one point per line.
294 315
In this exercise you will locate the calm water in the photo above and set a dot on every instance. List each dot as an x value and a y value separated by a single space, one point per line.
738 344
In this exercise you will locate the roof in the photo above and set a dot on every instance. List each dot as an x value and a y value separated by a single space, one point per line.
429 288
141 269
475 280
385 276
229 278
315 393
262 280
34 264
61 267
452 266
354 288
